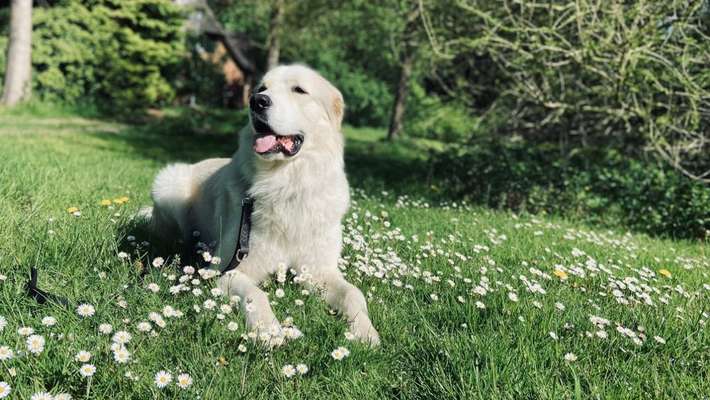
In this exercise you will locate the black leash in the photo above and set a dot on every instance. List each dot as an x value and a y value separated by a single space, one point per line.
240 254
242 250
40 295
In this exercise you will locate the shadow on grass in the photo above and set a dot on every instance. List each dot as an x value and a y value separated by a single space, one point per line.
371 164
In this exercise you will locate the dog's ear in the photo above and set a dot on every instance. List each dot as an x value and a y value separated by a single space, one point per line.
337 109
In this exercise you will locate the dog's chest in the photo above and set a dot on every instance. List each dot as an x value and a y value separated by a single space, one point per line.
299 209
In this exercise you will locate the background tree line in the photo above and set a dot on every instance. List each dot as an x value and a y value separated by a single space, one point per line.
572 86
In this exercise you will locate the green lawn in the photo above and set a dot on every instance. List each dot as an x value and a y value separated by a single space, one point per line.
470 303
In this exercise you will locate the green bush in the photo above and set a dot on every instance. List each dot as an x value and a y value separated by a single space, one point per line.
633 75
428 116
123 54
594 185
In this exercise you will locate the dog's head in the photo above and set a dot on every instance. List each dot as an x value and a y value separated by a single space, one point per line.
292 111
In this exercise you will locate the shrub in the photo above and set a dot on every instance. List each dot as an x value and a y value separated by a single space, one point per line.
123 53
631 74
598 186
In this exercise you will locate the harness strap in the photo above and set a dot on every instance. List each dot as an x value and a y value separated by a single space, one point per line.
242 250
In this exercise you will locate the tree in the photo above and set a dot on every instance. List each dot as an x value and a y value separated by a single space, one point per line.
274 41
18 72
409 42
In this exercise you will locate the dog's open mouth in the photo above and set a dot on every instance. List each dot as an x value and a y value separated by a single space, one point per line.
268 142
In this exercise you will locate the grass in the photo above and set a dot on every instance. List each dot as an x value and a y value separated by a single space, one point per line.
410 252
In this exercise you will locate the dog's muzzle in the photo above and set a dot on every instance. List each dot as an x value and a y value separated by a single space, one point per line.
266 141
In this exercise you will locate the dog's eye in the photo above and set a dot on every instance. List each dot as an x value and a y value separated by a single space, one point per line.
261 89
299 90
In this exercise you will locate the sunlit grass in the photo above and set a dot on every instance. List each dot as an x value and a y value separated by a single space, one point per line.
421 265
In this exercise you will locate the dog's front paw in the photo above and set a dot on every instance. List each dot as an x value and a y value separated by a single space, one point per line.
362 330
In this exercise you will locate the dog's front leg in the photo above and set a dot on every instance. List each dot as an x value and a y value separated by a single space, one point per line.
260 319
349 300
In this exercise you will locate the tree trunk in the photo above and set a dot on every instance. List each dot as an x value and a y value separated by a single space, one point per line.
18 71
274 40
400 100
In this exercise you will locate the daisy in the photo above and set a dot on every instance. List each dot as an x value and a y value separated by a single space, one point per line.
122 255
144 326
242 348
158 262
87 370
163 379
49 321
83 356
105 329
41 396
279 293
5 389
35 344
570 357
153 287
184 381
232 326
512 296
121 337
480 305
85 310
6 353
288 370
25 331
63 396
659 339
302 369
121 355
225 308
340 353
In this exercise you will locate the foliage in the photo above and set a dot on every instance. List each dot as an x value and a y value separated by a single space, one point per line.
355 45
122 53
595 185
630 74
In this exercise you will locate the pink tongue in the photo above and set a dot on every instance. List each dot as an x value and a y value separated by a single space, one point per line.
264 143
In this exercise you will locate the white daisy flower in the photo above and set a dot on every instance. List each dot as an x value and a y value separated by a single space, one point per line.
49 321
217 292
163 379
25 331
302 369
209 304
288 370
144 326
87 370
122 255
105 329
158 262
184 381
83 356
340 353
5 389
659 339
242 348
153 287
480 305
233 326
35 344
554 336
279 293
41 396
513 296
570 357
121 355
63 396
85 310
121 337
6 353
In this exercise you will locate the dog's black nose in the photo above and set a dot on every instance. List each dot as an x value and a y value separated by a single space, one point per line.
259 103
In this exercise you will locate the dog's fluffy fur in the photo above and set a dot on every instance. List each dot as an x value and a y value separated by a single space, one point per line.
299 202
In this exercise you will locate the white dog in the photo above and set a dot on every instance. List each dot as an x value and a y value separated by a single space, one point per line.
290 161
